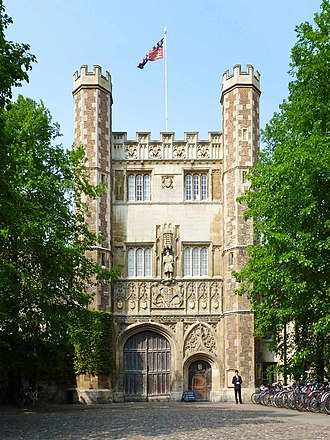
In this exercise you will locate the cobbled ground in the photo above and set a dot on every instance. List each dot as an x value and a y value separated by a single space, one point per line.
160 420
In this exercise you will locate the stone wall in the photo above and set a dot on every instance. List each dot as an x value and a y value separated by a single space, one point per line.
201 317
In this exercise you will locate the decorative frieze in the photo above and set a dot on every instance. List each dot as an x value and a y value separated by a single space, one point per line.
140 297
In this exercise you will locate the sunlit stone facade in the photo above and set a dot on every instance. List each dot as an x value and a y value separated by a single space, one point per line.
171 218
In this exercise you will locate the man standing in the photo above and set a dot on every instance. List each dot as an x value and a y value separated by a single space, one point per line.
237 382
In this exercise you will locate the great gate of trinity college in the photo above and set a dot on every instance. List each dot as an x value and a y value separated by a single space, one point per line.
170 217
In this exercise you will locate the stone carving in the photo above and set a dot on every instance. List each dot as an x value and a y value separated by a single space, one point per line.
155 152
214 326
168 236
143 291
132 295
121 327
215 295
208 340
179 152
120 295
143 138
172 327
131 152
202 295
120 292
168 265
215 290
167 138
203 152
192 343
166 297
200 338
167 182
143 295
191 295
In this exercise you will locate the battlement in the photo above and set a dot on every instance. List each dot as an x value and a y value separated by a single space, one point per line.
167 147
239 77
88 79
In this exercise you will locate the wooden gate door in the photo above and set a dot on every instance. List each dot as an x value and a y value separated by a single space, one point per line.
200 379
147 358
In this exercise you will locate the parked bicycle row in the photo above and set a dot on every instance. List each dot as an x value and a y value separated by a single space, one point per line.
314 397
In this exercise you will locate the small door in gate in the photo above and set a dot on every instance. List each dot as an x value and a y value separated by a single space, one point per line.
200 379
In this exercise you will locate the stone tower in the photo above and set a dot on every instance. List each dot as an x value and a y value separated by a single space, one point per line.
92 94
240 139
171 219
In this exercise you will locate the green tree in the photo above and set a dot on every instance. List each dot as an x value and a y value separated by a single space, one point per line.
15 63
15 60
44 273
45 276
287 277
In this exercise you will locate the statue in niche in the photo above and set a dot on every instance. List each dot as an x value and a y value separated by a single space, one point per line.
168 264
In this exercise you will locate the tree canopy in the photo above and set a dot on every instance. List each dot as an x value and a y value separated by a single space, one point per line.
15 60
45 275
287 277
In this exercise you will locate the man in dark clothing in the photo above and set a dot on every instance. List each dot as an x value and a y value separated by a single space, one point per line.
237 382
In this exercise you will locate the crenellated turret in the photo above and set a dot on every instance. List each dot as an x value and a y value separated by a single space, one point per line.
240 78
91 79
240 94
92 92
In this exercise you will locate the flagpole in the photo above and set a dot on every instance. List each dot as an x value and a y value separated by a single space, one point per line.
165 76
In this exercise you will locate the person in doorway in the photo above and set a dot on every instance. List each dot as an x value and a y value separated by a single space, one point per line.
237 382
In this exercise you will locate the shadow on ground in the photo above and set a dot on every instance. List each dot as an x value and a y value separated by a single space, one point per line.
134 421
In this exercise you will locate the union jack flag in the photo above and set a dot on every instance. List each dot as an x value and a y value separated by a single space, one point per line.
156 53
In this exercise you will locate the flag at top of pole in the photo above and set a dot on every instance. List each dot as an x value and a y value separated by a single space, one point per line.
156 53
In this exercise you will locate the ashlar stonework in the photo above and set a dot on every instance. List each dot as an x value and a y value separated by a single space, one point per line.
171 218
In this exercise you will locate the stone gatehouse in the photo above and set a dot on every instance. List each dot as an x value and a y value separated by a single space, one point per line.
171 218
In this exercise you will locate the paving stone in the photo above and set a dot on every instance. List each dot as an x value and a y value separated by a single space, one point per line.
165 420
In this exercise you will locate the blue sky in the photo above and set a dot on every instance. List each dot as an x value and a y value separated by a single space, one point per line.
205 38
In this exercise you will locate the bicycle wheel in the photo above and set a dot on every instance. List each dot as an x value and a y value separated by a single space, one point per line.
326 404
314 402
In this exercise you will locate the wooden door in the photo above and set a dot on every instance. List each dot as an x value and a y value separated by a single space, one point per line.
147 358
200 379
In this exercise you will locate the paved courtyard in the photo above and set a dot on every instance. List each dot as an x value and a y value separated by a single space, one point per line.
167 420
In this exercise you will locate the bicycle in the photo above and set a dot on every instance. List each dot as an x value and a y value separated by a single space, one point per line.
30 396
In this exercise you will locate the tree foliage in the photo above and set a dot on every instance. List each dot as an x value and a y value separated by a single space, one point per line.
91 334
287 277
45 276
44 273
15 60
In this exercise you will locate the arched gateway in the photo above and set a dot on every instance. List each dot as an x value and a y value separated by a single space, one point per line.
147 360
